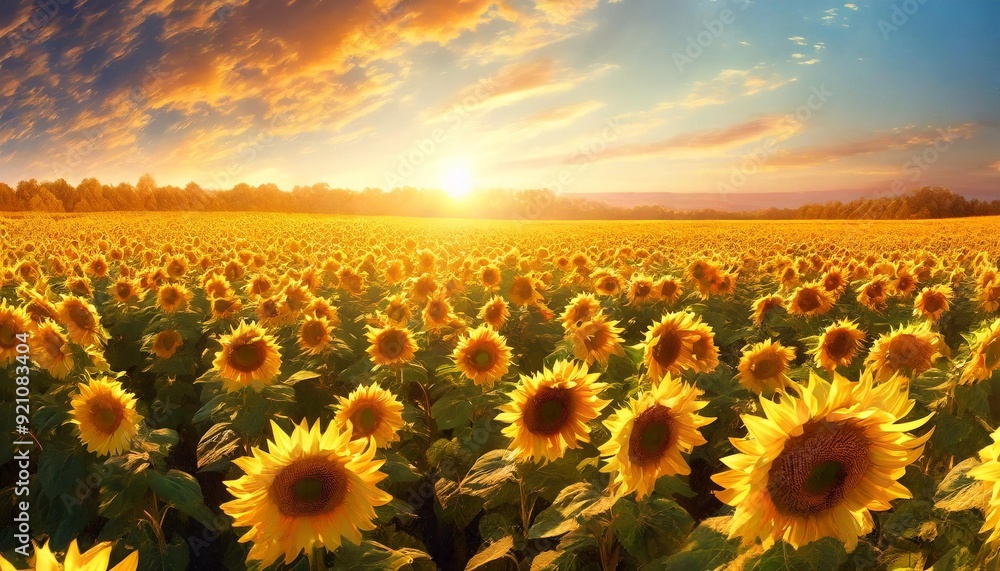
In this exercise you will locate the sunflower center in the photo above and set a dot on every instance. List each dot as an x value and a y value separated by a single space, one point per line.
548 411
668 289
831 283
391 344
167 340
313 332
839 344
481 358
816 470
609 284
365 421
53 343
436 310
874 290
170 296
908 351
247 358
106 414
667 348
221 305
933 303
81 317
309 487
7 335
808 300
652 433
642 290
905 283
702 347
767 366
597 339
991 354
124 290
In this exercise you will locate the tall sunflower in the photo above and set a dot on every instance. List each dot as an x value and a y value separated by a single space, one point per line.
596 340
373 413
548 412
989 473
105 416
649 434
438 312
482 356
838 345
391 346
909 350
818 463
249 358
668 347
310 488
764 366
984 355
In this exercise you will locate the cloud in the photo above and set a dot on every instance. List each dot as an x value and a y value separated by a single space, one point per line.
731 84
996 166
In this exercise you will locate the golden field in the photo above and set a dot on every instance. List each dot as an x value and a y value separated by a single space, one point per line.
293 391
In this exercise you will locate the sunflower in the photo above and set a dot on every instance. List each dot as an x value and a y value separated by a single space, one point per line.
606 282
437 313
810 300
166 343
834 282
495 312
669 289
482 356
818 463
308 489
172 298
13 322
764 366
668 347
224 307
314 335
641 290
398 311
989 295
81 321
489 276
391 346
873 294
581 308
96 558
649 434
249 358
423 287
549 411
989 473
763 306
932 302
838 345
984 355
124 290
50 349
596 340
524 291
704 353
373 412
909 350
105 415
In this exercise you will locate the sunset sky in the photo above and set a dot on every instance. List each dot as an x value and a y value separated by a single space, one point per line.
576 95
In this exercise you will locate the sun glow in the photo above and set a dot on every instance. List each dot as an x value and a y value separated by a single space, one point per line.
456 180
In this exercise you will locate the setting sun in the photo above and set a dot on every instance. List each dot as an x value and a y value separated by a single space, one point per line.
456 180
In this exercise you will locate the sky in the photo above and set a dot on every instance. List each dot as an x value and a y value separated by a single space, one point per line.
579 96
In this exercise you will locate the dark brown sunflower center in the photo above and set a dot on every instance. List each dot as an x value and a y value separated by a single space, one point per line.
365 420
396 313
609 284
222 305
313 332
494 312
642 290
491 277
933 303
106 414
909 352
548 411
436 310
81 317
597 339
652 434
831 283
248 357
124 290
816 470
309 487
874 290
391 344
991 354
170 296
668 289
839 344
702 347
522 289
808 300
905 283
7 335
667 348
767 366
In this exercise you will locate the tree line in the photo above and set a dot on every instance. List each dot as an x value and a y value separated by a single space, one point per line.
92 196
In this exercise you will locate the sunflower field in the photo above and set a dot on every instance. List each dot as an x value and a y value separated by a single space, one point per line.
254 391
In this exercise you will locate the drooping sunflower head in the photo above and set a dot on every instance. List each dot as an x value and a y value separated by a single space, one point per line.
96 558
166 343
838 345
596 340
649 435
669 345
764 366
669 289
525 291
249 358
51 349
548 412
81 320
984 357
583 307
932 302
909 351
373 412
390 346
809 300
308 488
398 310
495 312
14 324
482 356
423 287
105 415
763 306
704 353
989 474
315 334
818 463
224 307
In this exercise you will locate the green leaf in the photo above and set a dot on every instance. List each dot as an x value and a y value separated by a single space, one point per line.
490 552
959 491
182 491
652 528
580 500
707 548
301 376
373 556
490 472
452 410
826 554
454 505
